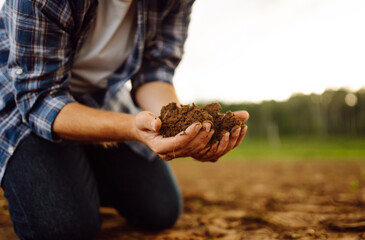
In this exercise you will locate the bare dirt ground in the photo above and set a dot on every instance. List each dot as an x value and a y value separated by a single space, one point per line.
254 200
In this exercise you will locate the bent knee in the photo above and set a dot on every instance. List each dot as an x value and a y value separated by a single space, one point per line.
159 218
156 216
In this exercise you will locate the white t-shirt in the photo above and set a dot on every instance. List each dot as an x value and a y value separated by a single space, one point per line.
107 45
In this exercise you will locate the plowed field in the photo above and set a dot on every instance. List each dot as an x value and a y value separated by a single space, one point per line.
233 200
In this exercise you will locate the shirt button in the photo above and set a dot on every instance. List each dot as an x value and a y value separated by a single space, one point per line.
11 150
19 71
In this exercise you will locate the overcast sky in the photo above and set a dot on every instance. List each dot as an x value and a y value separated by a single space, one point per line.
253 50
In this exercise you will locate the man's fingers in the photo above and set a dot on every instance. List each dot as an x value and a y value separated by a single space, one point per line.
206 153
148 121
242 115
200 141
172 144
235 134
223 144
197 143
225 148
218 150
202 152
241 137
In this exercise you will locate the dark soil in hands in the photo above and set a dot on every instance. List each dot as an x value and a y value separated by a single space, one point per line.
177 119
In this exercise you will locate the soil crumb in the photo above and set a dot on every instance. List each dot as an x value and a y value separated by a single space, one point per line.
177 119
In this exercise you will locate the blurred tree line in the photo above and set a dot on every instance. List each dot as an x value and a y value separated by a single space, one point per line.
332 113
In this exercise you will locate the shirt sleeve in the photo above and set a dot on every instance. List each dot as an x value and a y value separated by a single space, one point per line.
39 61
164 51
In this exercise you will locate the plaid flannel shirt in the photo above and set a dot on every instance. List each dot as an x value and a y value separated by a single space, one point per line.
38 42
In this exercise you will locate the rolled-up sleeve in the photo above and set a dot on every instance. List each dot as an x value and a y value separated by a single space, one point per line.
164 51
39 62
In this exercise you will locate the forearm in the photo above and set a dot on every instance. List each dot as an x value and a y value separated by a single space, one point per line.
152 96
81 123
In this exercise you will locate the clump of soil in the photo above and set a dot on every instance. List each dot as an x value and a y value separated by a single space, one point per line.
222 122
176 119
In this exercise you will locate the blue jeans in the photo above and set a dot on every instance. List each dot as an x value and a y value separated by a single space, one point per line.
55 190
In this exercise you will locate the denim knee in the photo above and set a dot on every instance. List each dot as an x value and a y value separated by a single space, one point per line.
162 216
156 215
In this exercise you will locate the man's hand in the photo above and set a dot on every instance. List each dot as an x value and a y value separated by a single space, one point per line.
193 140
229 141
190 143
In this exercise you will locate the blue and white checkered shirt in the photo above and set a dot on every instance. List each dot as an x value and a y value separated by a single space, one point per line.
38 42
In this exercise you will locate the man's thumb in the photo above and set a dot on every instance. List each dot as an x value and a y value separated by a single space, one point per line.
148 121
